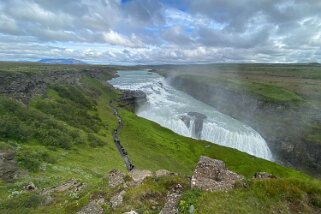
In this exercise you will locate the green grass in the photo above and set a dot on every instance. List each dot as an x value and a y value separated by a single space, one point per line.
268 92
273 93
149 146
280 196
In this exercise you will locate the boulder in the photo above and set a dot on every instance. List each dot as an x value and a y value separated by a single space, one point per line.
212 175
31 187
117 199
163 172
131 212
72 184
115 178
263 175
91 208
139 175
172 199
8 166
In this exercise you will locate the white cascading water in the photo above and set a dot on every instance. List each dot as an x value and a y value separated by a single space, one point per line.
166 106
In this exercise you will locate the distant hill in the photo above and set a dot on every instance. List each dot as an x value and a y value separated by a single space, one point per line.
61 61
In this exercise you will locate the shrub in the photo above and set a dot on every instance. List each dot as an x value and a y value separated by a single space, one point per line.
31 160
95 141
188 199
11 127
24 200
73 94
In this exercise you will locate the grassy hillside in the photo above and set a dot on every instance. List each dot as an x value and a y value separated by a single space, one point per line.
67 133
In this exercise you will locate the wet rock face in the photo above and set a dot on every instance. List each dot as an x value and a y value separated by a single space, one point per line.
198 119
186 119
8 166
212 175
198 123
132 99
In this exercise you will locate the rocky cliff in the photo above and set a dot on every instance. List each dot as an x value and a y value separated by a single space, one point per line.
22 85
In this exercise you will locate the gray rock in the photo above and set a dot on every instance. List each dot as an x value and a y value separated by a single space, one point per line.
72 184
172 199
131 212
31 187
91 208
139 175
115 178
198 123
212 175
48 199
132 99
198 120
117 200
186 119
264 175
8 166
163 172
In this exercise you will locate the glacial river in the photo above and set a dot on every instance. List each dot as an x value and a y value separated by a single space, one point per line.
187 116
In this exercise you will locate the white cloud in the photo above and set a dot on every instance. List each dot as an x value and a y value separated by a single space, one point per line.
155 31
115 38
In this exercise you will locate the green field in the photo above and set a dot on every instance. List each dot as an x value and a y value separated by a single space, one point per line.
67 133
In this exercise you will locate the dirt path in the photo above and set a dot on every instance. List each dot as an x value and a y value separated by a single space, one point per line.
120 148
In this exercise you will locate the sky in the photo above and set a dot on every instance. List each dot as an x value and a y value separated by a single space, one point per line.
161 31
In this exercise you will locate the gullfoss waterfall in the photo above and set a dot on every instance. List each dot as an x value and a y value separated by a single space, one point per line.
189 117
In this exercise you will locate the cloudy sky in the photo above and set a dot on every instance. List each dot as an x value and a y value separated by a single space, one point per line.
161 31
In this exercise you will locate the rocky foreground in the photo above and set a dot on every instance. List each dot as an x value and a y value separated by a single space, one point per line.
209 175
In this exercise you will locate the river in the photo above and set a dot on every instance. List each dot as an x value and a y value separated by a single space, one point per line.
189 117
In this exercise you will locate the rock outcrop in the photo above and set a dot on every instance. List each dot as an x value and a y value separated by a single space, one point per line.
172 199
91 208
212 175
196 119
131 212
23 86
8 166
30 187
115 178
138 176
264 175
71 185
163 172
132 99
117 199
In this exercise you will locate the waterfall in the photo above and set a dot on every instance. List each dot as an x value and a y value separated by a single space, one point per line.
178 111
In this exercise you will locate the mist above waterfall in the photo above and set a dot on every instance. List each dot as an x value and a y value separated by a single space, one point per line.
168 106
